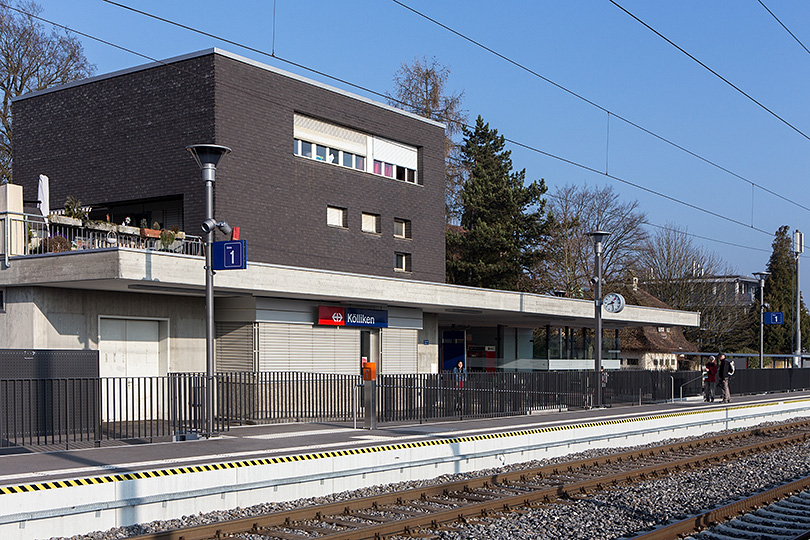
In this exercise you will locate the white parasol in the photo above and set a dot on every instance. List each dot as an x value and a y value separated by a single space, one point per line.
44 196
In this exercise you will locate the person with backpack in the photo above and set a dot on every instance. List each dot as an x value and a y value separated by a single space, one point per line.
725 370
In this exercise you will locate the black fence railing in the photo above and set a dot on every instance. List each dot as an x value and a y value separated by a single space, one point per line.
69 412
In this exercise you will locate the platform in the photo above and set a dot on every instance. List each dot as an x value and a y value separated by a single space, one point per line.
77 491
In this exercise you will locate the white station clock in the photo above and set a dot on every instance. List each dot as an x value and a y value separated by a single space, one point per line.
613 302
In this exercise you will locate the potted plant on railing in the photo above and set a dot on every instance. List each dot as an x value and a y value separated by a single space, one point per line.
96 225
126 228
146 232
73 215
168 236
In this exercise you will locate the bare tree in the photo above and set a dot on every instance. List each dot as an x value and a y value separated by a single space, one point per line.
578 210
687 276
32 59
420 88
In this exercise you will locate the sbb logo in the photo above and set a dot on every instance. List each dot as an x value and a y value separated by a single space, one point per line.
337 316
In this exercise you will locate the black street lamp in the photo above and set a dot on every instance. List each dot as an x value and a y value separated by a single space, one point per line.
207 157
598 237
761 276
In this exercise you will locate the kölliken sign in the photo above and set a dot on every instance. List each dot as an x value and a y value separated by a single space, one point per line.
340 316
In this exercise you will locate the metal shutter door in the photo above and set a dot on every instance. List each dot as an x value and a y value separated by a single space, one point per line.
234 350
319 349
399 351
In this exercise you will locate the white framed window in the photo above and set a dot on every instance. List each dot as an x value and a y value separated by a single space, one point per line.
402 228
336 217
371 223
402 262
329 143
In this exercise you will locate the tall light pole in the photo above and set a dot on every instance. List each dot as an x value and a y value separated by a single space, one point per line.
798 248
761 277
207 157
598 237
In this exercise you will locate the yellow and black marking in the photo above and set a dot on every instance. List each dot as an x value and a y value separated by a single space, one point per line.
27 488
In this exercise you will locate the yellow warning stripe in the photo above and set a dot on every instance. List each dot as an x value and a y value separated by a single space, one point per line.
26 488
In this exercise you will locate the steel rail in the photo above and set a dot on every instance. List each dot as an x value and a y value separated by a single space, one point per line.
467 503
713 517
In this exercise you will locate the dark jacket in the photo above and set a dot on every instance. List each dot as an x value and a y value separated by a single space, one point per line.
725 369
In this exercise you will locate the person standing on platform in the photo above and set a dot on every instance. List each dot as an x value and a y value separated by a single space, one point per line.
711 380
725 369
460 374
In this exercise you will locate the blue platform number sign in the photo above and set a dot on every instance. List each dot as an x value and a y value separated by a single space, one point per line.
229 255
772 317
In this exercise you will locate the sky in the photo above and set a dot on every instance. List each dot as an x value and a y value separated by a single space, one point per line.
619 68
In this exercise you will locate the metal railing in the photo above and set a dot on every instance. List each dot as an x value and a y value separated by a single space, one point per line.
31 234
92 411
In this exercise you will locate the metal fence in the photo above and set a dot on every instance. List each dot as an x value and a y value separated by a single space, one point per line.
30 234
90 411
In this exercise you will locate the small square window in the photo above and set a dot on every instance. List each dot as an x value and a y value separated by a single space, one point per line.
348 159
402 228
371 223
410 176
378 167
401 173
360 163
306 149
333 156
320 152
336 217
402 262
389 170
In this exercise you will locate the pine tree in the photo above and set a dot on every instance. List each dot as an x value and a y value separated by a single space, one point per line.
502 220
780 294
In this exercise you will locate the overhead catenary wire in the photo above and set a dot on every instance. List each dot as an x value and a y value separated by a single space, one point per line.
783 26
600 107
264 53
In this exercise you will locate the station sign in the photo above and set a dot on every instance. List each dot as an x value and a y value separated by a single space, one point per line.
772 317
229 255
346 316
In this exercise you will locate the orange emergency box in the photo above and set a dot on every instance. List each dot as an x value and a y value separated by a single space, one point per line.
370 371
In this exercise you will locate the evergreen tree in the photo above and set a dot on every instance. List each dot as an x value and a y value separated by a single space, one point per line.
780 294
502 219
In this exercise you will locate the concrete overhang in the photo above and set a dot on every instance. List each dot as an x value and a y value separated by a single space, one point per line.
121 269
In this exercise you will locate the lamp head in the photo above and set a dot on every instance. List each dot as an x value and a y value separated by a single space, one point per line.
207 154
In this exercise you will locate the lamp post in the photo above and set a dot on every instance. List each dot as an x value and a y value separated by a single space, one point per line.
598 237
761 277
798 248
207 157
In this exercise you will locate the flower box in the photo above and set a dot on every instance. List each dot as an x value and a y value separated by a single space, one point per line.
64 220
126 229
105 226
150 233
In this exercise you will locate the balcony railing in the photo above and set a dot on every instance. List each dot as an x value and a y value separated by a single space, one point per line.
31 234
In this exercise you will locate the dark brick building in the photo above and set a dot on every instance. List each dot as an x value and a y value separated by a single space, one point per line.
318 178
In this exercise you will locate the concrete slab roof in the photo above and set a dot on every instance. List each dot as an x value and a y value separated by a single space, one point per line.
121 269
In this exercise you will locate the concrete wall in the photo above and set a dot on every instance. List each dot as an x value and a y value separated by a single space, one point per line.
51 318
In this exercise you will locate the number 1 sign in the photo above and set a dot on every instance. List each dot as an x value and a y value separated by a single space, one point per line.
229 255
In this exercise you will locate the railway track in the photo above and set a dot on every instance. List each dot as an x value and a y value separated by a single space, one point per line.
423 511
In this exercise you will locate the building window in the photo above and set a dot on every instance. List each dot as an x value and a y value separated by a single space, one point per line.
2 300
371 223
402 262
402 228
329 143
336 217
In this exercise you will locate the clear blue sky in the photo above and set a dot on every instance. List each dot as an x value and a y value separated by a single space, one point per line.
590 47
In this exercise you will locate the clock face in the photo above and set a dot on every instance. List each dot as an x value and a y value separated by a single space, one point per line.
613 302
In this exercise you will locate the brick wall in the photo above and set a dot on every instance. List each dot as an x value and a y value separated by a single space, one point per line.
122 138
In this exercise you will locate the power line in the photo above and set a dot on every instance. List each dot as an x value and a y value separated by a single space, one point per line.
597 106
785 27
523 145
710 70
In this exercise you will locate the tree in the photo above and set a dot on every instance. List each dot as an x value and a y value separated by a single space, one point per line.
578 210
502 219
32 59
420 89
686 276
780 294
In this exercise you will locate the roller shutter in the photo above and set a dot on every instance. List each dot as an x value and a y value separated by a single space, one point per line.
329 135
319 349
234 347
396 153
399 351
